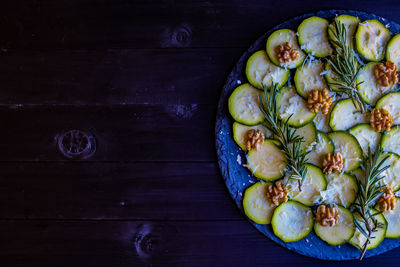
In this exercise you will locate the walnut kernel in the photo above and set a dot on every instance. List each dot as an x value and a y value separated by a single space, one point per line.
277 193
327 215
286 53
381 120
254 139
387 201
333 163
319 100
386 73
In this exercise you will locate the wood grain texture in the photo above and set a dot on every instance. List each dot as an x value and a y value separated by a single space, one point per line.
104 191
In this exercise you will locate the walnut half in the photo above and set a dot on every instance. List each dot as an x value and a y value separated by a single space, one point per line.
286 53
387 201
254 139
277 193
327 216
386 73
333 163
381 120
319 100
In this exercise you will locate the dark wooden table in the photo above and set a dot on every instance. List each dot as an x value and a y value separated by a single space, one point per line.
143 78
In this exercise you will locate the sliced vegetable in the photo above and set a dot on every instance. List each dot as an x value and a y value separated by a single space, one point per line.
391 176
338 234
308 78
344 115
366 137
292 221
391 140
371 40
313 183
313 36
288 103
240 131
350 24
318 149
341 189
369 89
321 122
256 204
358 239
330 76
393 50
391 102
350 149
244 105
268 163
280 37
261 71
309 134
393 220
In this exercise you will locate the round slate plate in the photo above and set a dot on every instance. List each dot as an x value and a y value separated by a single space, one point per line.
238 178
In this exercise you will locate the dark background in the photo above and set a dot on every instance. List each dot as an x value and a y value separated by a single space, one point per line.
144 78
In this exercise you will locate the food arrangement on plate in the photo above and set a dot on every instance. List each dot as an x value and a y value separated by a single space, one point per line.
319 120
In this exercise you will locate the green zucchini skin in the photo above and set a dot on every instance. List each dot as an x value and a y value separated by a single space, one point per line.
391 102
260 71
366 137
393 50
351 24
267 170
345 109
339 233
370 90
391 140
372 51
341 189
392 218
323 145
289 230
348 146
279 37
256 205
240 131
392 174
244 105
307 78
313 36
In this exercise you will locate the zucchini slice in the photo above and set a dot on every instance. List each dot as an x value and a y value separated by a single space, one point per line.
309 134
318 149
288 103
391 140
321 122
256 204
393 50
391 102
350 24
359 239
280 37
330 76
311 186
240 131
313 36
292 221
261 72
393 221
308 78
349 147
341 189
344 115
369 89
371 40
244 105
392 174
340 232
268 163
366 137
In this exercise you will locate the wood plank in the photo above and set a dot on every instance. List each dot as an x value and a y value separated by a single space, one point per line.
145 191
150 76
137 24
101 243
123 133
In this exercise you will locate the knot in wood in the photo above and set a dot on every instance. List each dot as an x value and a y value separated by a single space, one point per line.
76 144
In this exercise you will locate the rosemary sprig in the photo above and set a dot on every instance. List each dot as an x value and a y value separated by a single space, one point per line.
368 192
345 65
290 142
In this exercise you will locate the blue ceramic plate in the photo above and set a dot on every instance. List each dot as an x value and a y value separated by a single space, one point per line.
238 178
